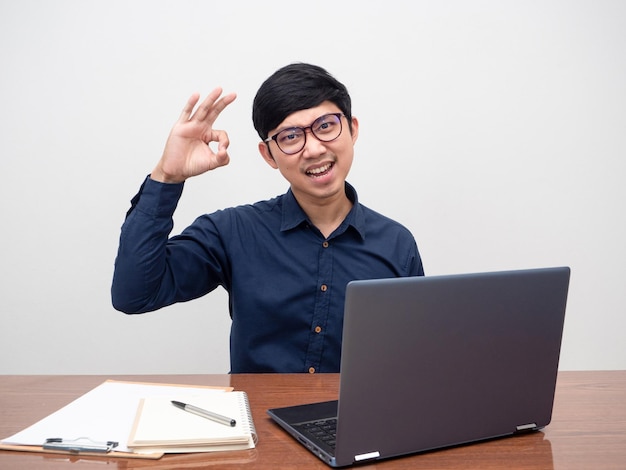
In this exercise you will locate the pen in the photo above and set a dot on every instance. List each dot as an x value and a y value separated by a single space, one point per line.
205 413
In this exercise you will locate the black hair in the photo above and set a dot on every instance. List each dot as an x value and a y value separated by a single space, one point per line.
293 88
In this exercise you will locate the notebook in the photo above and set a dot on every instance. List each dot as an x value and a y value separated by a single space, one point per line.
438 361
160 426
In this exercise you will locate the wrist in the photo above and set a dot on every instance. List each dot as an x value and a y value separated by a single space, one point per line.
159 175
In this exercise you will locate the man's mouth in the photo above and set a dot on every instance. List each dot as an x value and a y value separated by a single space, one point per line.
322 170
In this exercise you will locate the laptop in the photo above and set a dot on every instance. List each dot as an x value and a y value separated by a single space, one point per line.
438 361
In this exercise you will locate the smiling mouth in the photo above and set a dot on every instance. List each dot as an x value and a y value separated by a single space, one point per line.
322 170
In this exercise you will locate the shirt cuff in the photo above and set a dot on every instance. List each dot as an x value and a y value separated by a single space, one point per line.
157 199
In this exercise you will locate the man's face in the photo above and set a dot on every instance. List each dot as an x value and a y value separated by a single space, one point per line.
318 172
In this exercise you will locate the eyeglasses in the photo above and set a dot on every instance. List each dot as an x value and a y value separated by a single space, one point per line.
325 128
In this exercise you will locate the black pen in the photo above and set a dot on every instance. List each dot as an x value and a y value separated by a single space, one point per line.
205 413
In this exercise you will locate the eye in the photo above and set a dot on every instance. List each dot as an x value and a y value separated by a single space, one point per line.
289 136
326 124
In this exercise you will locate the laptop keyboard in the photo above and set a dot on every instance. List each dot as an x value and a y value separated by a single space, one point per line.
322 430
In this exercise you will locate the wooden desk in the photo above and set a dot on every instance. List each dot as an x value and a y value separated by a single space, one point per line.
588 429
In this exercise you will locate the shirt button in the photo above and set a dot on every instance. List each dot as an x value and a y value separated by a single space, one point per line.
325 244
318 329
311 370
324 287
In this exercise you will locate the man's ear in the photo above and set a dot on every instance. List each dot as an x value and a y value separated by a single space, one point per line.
355 130
264 150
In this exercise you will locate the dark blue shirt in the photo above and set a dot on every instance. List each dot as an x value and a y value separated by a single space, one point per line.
286 281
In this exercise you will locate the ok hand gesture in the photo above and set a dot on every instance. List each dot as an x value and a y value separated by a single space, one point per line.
187 152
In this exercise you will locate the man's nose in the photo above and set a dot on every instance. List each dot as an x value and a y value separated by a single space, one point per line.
313 147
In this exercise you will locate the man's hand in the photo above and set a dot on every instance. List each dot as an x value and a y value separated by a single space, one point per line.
187 152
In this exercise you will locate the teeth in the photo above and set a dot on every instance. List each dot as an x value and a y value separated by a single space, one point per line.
317 171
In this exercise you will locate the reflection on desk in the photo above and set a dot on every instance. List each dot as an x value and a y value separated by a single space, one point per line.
588 428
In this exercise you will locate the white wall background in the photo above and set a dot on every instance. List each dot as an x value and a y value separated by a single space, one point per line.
494 130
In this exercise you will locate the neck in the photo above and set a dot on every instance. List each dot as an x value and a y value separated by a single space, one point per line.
326 214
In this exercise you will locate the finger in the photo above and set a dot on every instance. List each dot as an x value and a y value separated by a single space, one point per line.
210 109
204 107
191 103
220 105
220 155
221 137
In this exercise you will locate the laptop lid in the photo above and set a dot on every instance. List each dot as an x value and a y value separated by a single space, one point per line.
430 362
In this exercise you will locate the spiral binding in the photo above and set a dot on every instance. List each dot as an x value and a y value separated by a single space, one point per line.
250 423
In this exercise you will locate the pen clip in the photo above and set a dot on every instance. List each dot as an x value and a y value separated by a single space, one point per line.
79 445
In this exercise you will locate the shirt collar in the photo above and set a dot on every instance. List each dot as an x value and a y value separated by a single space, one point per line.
293 215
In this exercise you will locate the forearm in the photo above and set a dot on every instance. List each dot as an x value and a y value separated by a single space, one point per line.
141 263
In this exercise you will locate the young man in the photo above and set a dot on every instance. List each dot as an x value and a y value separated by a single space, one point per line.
285 262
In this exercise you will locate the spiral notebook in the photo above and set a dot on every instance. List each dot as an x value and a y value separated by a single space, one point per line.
162 427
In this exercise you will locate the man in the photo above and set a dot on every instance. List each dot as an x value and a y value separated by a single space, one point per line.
285 262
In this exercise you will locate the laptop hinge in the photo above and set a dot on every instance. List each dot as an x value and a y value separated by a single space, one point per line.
526 427
368 456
